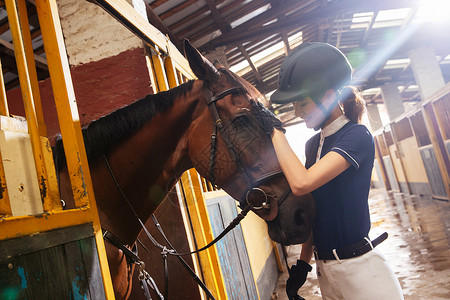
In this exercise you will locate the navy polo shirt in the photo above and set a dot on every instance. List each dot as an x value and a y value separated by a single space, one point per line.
342 204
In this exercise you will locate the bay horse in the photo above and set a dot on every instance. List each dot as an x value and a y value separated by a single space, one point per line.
150 143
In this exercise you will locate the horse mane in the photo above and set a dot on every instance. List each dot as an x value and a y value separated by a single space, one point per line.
102 134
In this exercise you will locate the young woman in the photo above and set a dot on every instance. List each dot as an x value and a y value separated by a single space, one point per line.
338 168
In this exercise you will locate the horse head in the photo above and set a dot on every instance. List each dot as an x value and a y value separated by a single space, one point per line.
228 146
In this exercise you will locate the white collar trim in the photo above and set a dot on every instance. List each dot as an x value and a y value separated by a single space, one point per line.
334 126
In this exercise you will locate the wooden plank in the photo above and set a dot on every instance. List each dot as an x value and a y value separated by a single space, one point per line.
13 227
55 275
92 268
13 280
27 244
37 275
69 271
76 271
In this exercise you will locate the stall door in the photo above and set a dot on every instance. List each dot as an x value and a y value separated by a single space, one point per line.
391 174
433 172
232 251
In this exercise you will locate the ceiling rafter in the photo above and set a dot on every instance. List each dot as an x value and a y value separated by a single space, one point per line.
224 28
156 21
238 35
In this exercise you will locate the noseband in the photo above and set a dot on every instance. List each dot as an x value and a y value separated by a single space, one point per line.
218 124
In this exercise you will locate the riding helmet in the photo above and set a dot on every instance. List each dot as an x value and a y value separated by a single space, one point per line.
309 70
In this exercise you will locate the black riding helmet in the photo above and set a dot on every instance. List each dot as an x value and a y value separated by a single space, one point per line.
309 70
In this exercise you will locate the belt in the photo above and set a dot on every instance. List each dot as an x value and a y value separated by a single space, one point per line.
354 250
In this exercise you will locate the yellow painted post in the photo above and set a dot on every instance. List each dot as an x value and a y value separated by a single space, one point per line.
203 233
160 74
171 72
30 111
52 183
5 206
14 227
29 54
70 126
4 111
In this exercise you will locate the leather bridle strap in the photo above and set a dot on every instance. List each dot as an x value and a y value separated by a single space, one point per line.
218 124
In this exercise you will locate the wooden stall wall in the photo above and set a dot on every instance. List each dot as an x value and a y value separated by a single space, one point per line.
386 143
410 157
442 110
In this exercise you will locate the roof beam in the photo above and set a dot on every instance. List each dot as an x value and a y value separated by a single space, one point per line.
238 35
156 21
224 28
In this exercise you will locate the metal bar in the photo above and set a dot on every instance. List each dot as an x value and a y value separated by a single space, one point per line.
70 126
28 100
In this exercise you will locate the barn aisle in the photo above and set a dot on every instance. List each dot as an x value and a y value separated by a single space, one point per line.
418 247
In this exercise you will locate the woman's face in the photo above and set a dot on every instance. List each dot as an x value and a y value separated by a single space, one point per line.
307 109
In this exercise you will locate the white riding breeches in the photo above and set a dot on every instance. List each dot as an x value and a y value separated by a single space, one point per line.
367 277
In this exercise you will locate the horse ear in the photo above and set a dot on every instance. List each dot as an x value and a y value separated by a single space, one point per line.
202 67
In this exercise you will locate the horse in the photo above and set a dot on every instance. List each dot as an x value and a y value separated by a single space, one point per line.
146 146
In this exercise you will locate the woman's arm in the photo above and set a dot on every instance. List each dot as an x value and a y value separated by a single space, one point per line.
307 249
302 180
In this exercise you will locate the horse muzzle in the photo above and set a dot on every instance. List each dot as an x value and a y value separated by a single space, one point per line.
289 217
294 220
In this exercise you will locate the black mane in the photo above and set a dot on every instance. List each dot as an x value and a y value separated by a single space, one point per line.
102 134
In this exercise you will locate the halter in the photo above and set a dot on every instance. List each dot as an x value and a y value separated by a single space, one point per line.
218 124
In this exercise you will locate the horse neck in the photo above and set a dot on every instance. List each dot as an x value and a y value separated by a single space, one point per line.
147 166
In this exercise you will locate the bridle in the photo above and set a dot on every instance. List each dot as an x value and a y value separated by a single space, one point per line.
218 125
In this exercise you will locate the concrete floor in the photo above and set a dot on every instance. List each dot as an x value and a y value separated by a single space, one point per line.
418 247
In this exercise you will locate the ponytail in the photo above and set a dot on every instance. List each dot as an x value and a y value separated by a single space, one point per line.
353 103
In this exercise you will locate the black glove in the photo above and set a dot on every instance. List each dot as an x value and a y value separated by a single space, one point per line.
297 277
268 120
